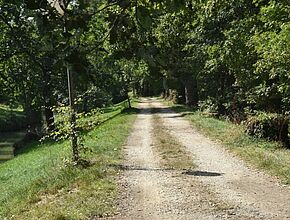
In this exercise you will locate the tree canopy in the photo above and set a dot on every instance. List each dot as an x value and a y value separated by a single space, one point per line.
228 56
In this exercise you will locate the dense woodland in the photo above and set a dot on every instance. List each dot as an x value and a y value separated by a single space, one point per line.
71 72
229 58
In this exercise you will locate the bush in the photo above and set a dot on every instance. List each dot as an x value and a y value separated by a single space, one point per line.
271 126
208 107
233 111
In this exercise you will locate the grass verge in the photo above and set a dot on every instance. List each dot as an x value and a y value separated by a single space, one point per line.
39 184
173 154
263 154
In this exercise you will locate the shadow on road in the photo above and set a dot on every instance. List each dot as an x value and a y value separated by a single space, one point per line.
130 167
150 169
201 173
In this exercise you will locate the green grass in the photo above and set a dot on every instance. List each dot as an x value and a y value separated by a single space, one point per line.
39 183
262 154
111 111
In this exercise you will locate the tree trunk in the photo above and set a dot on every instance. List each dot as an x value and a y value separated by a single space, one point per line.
47 97
128 98
129 102
191 93
49 118
85 104
166 92
134 90
33 118
181 93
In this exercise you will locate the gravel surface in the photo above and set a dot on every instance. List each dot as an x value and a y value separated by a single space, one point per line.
221 187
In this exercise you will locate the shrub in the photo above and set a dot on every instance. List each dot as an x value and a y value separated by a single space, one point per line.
271 126
209 107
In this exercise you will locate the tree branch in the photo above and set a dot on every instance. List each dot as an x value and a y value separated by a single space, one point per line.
108 33
24 50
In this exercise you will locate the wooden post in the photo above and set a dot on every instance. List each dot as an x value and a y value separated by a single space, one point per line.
74 140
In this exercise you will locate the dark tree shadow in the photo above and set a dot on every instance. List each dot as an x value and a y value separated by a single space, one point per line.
130 167
185 172
201 173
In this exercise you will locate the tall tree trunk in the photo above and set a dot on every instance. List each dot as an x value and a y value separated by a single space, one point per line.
49 118
128 98
85 104
134 90
33 118
47 96
181 92
129 102
190 89
165 88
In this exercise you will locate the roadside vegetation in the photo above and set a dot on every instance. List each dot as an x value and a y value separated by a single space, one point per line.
41 183
267 155
11 119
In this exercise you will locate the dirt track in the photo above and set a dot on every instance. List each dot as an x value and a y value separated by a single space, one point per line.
221 187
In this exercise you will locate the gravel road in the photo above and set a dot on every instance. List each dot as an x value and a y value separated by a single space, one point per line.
221 187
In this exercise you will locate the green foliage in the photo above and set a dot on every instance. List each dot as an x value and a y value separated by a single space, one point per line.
229 50
271 126
231 57
11 119
208 107
85 122
237 52
273 66
38 45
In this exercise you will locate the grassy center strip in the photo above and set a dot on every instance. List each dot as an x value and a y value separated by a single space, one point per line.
263 154
173 154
